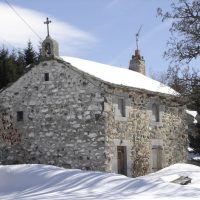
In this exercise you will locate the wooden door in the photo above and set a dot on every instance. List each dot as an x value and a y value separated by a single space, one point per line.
122 160
156 158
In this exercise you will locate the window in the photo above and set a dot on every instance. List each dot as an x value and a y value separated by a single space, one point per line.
20 116
122 107
46 76
155 113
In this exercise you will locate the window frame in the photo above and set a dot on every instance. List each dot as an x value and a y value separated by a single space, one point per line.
160 111
115 103
122 106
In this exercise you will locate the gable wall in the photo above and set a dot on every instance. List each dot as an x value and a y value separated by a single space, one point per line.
63 119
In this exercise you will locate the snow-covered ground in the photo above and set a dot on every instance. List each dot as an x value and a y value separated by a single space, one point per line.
42 182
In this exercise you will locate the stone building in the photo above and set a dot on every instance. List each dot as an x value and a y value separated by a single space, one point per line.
81 114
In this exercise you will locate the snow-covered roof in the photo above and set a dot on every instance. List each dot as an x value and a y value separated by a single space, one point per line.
193 114
119 76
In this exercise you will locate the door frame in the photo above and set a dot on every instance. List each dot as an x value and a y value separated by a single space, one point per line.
123 160
157 143
114 161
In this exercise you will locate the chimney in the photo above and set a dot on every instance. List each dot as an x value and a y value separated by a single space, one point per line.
137 63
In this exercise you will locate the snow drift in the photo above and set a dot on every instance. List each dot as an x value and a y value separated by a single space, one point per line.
42 182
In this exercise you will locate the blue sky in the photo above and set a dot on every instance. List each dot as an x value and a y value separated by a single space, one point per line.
98 30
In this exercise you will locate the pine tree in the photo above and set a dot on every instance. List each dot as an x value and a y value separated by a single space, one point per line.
20 68
12 65
3 68
30 55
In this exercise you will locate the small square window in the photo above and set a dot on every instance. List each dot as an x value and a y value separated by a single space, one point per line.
20 116
122 107
46 76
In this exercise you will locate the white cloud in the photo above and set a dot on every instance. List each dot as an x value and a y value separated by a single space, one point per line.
14 32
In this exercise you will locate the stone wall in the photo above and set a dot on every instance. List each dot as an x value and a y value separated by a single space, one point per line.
63 122
137 128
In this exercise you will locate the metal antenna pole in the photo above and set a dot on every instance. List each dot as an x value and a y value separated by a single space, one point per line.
137 36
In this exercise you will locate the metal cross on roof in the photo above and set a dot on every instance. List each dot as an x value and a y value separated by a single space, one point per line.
47 22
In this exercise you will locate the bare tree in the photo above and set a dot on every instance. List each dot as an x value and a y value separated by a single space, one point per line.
184 43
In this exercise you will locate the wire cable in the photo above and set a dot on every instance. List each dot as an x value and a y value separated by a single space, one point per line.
22 19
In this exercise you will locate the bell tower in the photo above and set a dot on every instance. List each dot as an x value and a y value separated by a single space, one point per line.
49 45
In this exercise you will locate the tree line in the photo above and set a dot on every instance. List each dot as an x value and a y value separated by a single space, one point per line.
14 64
